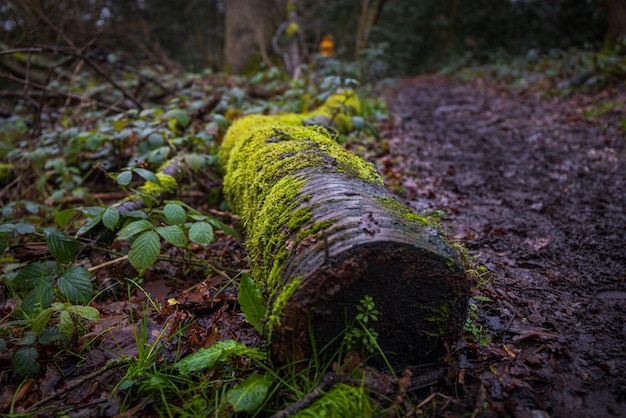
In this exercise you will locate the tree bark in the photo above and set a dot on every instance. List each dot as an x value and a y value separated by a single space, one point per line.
616 32
323 232
249 27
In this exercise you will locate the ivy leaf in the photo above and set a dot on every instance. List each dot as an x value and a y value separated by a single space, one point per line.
134 228
75 284
62 247
173 234
147 175
251 302
111 217
144 251
25 361
124 178
174 213
201 233
249 394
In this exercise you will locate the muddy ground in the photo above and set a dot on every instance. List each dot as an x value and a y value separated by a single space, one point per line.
537 192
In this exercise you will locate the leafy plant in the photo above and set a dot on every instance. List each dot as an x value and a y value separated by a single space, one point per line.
362 335
472 324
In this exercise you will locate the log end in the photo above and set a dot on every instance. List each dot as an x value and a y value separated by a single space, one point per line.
421 295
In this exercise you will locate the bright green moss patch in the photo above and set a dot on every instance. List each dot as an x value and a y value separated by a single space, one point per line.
402 210
341 401
168 185
267 160
282 298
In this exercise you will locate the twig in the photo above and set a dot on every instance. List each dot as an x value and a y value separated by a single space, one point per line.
111 364
108 263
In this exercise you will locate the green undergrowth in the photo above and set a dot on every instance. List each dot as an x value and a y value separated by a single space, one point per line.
63 175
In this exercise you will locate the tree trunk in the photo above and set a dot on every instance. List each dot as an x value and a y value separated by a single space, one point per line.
616 32
249 27
323 232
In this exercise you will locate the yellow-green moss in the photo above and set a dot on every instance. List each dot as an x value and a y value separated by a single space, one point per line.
402 210
264 158
439 320
315 228
168 185
282 298
341 401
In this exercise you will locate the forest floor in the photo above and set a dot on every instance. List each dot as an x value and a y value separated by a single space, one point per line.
535 188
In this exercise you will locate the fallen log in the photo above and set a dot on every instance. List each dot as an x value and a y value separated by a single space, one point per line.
323 232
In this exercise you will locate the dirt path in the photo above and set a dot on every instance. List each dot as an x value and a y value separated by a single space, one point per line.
539 194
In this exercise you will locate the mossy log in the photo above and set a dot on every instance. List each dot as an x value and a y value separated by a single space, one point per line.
323 232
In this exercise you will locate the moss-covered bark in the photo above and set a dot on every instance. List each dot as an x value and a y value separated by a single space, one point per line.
323 232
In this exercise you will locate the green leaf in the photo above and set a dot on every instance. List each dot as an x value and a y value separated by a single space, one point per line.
223 227
75 284
174 214
173 234
111 217
208 357
86 312
39 298
201 233
3 244
66 325
124 178
89 224
62 218
134 228
147 175
62 247
144 251
249 394
34 273
40 322
251 302
25 361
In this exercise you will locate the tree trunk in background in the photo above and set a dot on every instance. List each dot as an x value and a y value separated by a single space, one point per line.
369 14
323 232
249 27
616 31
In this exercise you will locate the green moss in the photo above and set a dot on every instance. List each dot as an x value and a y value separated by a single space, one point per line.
282 298
168 185
315 228
439 320
341 401
402 210
265 158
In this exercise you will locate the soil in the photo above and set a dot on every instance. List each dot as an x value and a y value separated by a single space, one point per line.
536 191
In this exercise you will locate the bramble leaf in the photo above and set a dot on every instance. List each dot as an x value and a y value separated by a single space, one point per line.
25 361
62 247
75 284
173 234
249 394
251 302
111 217
144 251
201 233
174 214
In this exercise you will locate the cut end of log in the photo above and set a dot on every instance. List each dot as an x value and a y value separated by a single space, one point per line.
371 248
